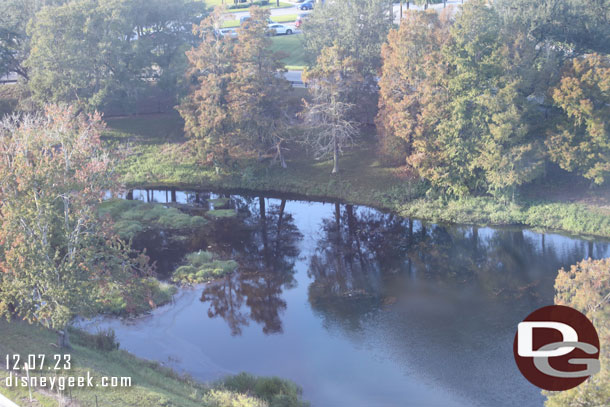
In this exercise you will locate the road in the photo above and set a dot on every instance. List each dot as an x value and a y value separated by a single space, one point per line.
293 10
274 12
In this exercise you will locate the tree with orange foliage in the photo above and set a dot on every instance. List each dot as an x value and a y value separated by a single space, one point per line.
204 109
581 140
58 259
586 287
411 66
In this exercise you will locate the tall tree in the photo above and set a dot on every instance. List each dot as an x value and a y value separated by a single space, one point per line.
454 97
57 258
572 26
581 140
258 89
240 98
411 59
204 109
14 41
86 51
77 55
359 27
327 117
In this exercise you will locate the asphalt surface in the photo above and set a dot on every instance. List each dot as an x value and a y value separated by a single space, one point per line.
412 6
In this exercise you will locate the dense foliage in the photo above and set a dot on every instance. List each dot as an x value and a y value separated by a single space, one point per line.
586 287
238 98
479 102
57 257
359 28
95 52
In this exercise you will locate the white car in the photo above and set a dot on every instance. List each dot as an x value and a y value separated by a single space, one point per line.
280 29
228 32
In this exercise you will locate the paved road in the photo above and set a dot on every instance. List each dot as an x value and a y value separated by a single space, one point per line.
274 12
412 6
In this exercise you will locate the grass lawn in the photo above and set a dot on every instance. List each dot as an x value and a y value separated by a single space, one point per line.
292 46
152 385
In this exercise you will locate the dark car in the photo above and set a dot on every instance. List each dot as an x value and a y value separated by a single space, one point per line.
306 6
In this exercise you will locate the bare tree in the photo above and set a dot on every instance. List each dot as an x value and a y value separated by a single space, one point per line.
328 127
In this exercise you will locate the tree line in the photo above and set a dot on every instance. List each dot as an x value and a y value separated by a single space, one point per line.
482 101
97 53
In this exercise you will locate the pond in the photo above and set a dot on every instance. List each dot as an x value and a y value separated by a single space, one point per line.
358 306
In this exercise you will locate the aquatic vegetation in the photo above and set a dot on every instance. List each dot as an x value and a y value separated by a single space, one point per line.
220 203
221 213
201 266
134 217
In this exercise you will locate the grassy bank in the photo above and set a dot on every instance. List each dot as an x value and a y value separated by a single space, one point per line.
152 384
157 159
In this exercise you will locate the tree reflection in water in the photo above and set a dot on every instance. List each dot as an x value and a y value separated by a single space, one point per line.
365 260
264 241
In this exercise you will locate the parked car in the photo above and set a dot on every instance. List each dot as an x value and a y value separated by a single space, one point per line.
227 32
277 29
300 18
306 6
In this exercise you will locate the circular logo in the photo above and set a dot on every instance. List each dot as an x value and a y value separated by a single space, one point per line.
556 348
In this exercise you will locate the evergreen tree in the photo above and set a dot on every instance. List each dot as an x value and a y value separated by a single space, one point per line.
581 140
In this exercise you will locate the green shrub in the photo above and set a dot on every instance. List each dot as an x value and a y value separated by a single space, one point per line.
104 340
224 398
200 267
134 217
274 390
148 294
220 203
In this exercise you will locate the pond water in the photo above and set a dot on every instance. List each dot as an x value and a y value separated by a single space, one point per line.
359 307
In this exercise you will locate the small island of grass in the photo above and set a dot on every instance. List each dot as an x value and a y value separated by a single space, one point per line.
200 267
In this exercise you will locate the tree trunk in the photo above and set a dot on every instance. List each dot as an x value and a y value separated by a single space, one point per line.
408 4
63 339
401 9
280 156
335 156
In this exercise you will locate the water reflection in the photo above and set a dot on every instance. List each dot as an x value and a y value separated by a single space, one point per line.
361 259
361 307
264 241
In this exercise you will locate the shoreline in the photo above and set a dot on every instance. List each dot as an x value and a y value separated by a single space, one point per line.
444 213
